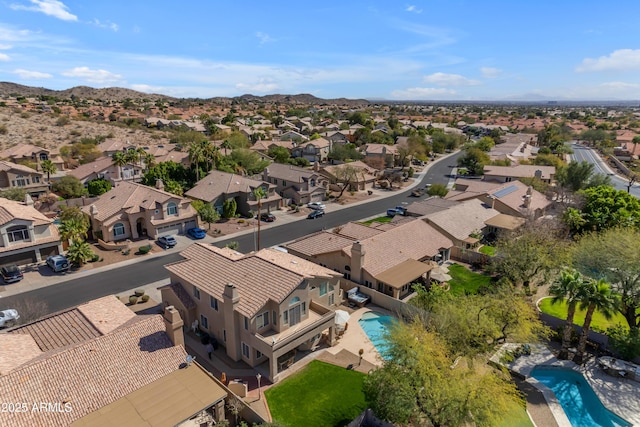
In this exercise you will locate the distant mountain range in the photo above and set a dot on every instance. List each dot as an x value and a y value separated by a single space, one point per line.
120 94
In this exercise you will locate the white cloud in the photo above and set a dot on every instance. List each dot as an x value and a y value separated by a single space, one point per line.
262 86
620 85
413 9
264 37
54 8
109 25
31 75
618 60
421 93
4 57
490 72
443 79
93 76
5 46
148 88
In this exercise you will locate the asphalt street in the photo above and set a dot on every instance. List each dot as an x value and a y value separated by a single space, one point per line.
122 278
585 154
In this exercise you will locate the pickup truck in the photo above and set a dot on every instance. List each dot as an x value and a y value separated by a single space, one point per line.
398 210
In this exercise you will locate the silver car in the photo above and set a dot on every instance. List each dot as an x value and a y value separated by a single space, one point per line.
8 317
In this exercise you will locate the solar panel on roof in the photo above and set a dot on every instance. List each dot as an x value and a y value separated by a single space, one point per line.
503 192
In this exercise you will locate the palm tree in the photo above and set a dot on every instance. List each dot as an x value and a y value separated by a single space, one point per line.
567 288
141 155
226 145
259 194
196 156
73 230
79 252
48 167
211 154
119 160
597 295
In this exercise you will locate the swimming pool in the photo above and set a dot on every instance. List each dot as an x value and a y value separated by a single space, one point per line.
577 398
375 325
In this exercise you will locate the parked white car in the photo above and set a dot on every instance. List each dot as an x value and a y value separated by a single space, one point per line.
316 206
8 317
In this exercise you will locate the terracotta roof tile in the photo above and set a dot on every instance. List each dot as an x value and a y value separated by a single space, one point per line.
320 243
462 219
355 231
217 183
11 210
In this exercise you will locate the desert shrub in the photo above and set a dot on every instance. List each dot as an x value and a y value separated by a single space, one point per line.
139 292
133 299
145 298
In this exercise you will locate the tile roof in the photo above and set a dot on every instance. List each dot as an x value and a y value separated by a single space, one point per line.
217 182
182 295
296 264
97 166
8 166
318 143
413 240
92 374
319 243
21 151
366 172
129 197
381 149
355 231
429 205
520 171
289 173
463 218
257 279
11 210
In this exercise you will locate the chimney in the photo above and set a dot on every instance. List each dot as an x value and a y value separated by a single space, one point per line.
159 184
316 166
230 300
357 261
93 210
173 325
265 175
28 200
527 201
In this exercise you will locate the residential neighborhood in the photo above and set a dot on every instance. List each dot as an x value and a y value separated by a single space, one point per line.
206 268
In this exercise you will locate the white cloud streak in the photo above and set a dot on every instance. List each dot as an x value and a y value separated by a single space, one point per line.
490 72
31 75
618 60
413 9
54 8
264 38
108 25
93 76
422 93
4 57
442 79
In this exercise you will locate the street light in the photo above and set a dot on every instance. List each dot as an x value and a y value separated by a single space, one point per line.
258 377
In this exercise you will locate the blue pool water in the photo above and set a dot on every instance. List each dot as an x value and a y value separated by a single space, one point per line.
376 325
579 401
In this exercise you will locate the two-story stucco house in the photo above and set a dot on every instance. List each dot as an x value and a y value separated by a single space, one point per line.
19 176
217 187
26 235
131 211
316 150
262 307
105 169
20 153
299 185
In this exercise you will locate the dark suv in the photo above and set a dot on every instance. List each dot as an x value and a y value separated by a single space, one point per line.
11 274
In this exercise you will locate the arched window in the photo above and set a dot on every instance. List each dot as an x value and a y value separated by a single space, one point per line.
118 229
172 208
18 233
294 300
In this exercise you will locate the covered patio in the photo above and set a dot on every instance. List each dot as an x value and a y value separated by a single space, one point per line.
396 281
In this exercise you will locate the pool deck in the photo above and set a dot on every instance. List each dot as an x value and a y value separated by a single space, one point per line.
619 395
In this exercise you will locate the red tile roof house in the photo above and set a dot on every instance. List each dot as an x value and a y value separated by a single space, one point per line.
18 176
32 153
262 307
132 211
298 185
385 261
511 198
365 177
26 235
98 364
388 153
219 186
316 150
106 169
512 173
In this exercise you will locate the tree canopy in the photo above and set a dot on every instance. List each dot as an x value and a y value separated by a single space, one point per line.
604 207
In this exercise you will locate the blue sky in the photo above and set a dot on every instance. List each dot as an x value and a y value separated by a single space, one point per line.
419 50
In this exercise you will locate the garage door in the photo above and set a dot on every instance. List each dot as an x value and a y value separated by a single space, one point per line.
18 259
190 224
170 229
46 252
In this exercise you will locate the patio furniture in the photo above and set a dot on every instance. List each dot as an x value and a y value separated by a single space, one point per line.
356 297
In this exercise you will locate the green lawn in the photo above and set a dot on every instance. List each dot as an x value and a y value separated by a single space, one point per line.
599 322
463 279
379 219
516 417
320 395
487 250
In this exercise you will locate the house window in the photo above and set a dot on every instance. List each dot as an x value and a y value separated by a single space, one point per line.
262 320
304 307
284 183
196 292
204 322
118 229
246 323
245 350
214 303
18 233
285 317
36 179
172 209
332 300
274 317
20 181
323 288
258 354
